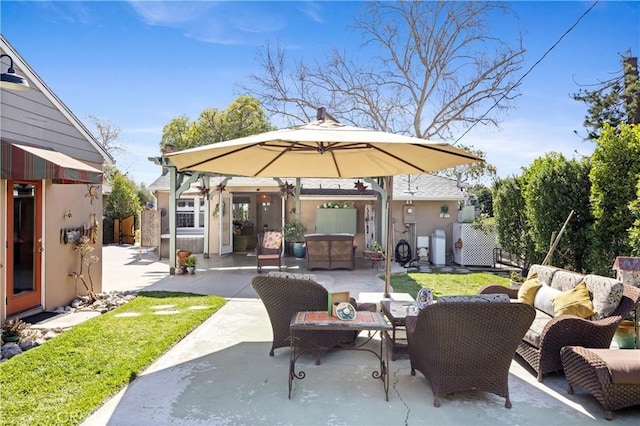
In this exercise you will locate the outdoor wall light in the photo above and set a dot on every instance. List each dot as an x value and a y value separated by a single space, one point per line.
10 80
265 200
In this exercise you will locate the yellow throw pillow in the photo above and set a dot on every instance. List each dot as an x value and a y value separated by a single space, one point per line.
528 289
574 302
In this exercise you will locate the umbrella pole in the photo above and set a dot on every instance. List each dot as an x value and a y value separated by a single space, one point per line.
388 186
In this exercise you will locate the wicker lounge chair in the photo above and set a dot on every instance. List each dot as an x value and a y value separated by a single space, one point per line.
283 297
612 376
465 346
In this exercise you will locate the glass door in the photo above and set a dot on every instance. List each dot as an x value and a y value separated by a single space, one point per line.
24 251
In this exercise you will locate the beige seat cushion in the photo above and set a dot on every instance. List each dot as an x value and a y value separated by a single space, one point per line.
532 336
623 364
268 256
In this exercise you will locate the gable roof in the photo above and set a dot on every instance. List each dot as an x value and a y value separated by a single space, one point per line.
425 187
37 84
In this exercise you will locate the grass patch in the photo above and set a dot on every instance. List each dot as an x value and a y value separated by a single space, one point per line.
445 283
69 377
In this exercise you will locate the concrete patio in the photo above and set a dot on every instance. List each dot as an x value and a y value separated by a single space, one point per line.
222 374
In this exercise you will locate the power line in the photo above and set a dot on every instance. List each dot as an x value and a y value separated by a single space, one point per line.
528 71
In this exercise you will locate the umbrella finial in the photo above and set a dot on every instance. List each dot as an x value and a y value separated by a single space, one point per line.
322 113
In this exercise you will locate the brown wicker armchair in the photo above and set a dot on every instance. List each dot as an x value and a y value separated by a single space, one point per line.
283 297
268 256
464 346
567 330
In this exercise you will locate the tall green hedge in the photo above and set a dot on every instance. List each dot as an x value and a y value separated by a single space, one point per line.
614 175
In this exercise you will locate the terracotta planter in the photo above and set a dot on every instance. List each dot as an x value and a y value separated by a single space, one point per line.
182 255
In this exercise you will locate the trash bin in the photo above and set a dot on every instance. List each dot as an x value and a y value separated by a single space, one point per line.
438 247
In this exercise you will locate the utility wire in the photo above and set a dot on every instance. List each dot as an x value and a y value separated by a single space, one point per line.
528 71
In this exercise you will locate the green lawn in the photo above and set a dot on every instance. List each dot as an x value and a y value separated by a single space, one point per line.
67 378
445 283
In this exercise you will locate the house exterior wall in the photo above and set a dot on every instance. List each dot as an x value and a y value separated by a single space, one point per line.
163 203
428 216
428 219
28 117
60 259
38 118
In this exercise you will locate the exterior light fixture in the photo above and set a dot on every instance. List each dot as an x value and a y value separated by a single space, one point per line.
10 80
265 200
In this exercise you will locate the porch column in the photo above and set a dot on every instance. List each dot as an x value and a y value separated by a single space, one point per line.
173 176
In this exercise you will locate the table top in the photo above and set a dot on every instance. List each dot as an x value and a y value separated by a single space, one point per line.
320 320
396 310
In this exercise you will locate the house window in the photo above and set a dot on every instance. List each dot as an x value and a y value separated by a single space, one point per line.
186 214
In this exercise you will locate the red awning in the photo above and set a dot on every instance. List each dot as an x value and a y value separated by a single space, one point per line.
20 162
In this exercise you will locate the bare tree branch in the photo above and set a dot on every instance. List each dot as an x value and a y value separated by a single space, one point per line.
423 68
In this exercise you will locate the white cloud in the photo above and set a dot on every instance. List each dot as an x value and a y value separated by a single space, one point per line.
225 23
171 14
312 10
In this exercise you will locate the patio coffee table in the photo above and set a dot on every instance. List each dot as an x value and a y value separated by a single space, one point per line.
396 312
320 320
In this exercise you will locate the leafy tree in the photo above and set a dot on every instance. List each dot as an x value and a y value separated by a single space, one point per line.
614 178
243 117
485 199
177 133
556 186
123 200
144 195
613 101
474 172
511 220
634 232
424 68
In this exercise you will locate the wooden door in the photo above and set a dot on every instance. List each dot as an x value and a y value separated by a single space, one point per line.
24 246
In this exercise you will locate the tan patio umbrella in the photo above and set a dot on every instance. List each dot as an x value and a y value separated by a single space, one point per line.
324 149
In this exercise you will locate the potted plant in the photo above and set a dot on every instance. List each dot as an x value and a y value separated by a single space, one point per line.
182 256
190 263
12 329
516 279
294 232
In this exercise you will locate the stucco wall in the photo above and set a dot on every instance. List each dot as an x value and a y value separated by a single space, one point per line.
60 259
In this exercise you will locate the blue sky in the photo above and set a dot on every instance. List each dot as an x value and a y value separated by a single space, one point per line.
119 61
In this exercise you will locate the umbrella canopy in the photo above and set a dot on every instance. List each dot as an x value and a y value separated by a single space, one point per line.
324 149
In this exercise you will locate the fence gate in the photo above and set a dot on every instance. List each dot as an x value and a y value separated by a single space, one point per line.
123 231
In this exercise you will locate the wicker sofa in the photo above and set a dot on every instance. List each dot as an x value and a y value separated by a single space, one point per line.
467 345
330 251
541 345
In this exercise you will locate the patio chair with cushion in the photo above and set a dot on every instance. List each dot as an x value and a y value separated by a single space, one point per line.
612 376
467 345
284 297
269 249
